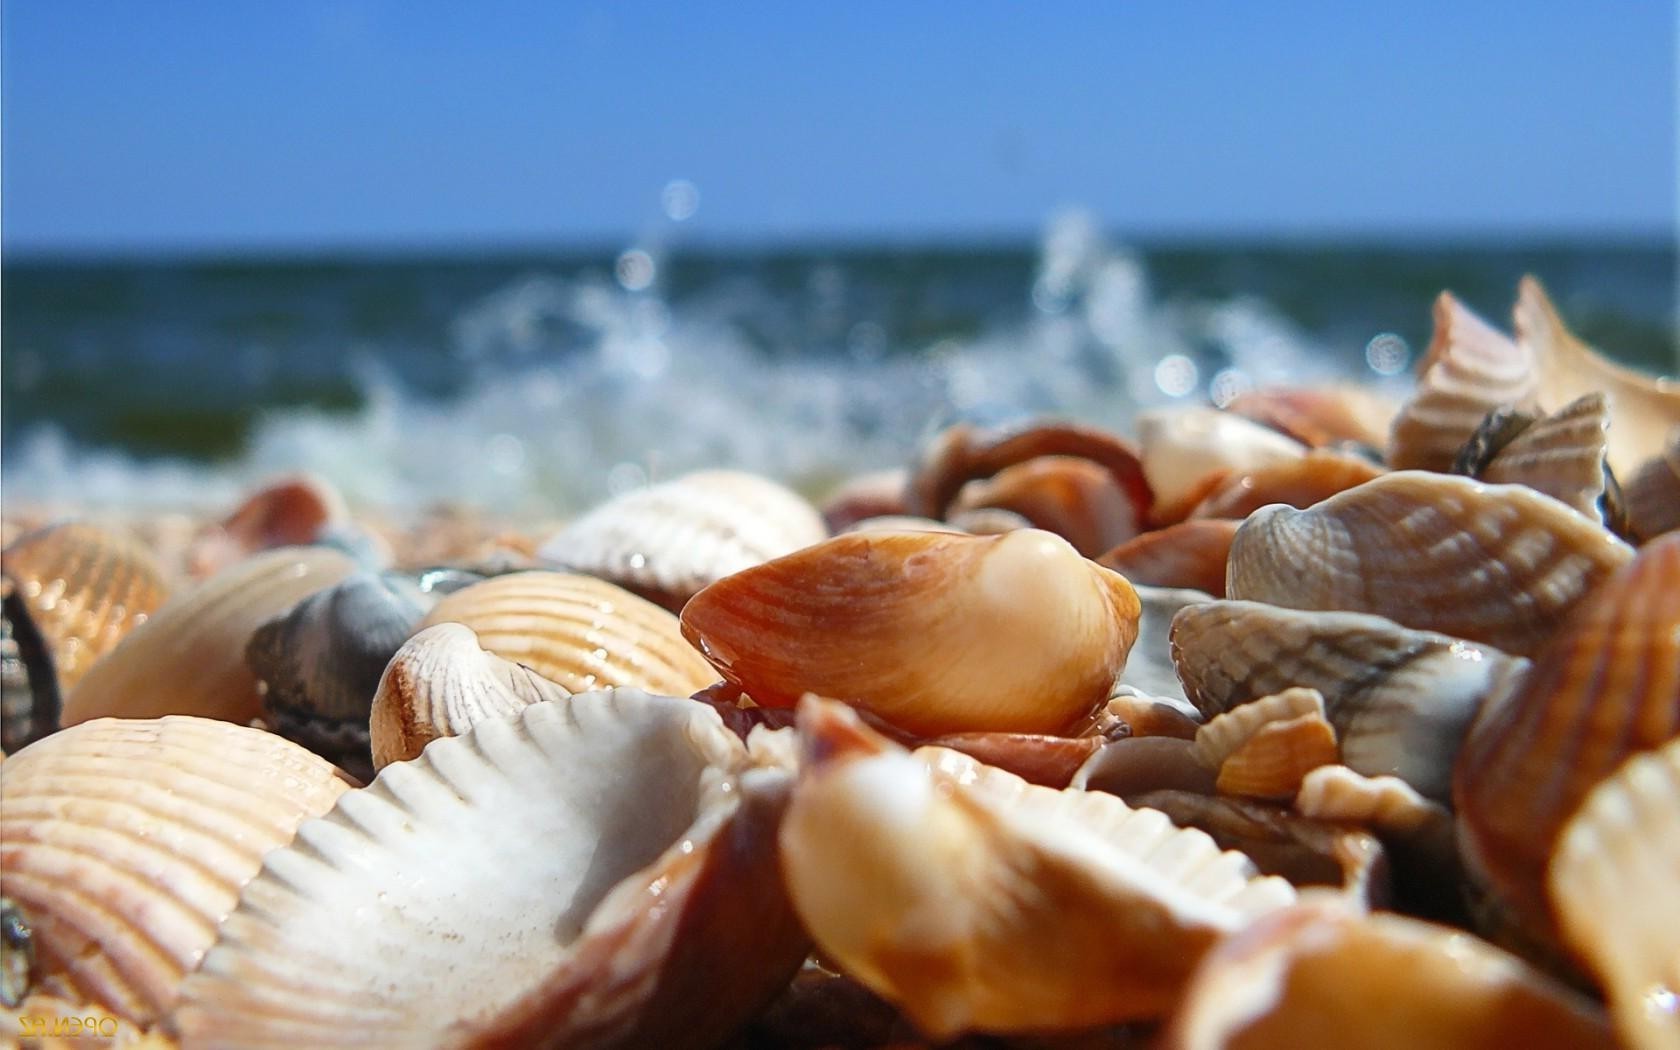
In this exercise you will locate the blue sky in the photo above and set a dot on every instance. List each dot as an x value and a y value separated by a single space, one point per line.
308 124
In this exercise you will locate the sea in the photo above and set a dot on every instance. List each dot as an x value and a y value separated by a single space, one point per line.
533 383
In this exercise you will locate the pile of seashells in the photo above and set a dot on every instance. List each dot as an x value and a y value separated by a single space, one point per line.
1308 721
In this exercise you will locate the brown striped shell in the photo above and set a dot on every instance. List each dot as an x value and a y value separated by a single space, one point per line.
1561 455
1653 492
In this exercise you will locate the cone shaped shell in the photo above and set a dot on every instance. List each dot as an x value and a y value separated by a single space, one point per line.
578 632
1191 554
963 453
594 872
125 844
1075 498
1607 688
1298 482
189 658
977 901
1500 564
1612 883
669 540
1184 449
935 633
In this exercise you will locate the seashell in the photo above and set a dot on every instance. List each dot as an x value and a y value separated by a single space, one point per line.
1069 909
875 495
1322 974
1611 883
1133 766
295 511
636 900
71 592
578 632
1132 712
125 843
1384 804
1644 408
962 453
320 664
667 541
1316 476
987 521
1149 668
1400 700
1036 758
934 633
1191 555
1186 451
1469 370
189 658
1653 493
1320 417
1076 499
1262 749
441 683
1221 737
1607 687
1561 455
901 523
1500 564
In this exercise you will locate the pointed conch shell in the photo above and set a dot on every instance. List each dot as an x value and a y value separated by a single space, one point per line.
441 683
1190 554
666 541
189 658
979 902
1500 564
1607 687
934 633
1469 370
1187 450
1321 974
1653 493
599 871
578 632
125 843
1075 498
1298 482
1262 749
1612 884
1643 408
1561 455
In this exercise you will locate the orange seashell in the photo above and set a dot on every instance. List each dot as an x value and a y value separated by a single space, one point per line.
963 453
1299 483
936 633
1075 498
1188 451
1189 554
874 495
1319 416
289 512
1272 762
1038 759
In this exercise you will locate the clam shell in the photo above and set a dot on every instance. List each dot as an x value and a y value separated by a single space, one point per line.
72 592
1500 564
1185 450
1612 884
1607 687
125 843
1644 408
667 541
1263 749
1469 370
1321 974
1320 416
874 495
1190 555
1298 482
578 632
294 511
1400 700
935 633
976 901
1076 499
189 658
441 683
1653 493
595 872
1561 455
963 453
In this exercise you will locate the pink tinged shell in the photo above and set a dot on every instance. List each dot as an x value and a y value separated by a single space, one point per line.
1319 416
1191 554
289 512
1075 498
1299 483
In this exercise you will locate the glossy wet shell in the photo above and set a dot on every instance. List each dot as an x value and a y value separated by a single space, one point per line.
1320 416
1186 450
1262 749
1075 498
1300 483
1191 554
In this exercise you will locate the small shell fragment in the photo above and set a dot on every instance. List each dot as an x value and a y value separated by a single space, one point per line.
1298 482
1263 749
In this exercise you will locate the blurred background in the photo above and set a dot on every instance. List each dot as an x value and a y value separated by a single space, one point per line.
521 255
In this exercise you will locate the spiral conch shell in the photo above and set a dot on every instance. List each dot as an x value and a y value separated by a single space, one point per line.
126 843
934 632
979 902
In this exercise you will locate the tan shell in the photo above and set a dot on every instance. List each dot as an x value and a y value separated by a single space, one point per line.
595 872
189 658
1320 416
1299 482
1561 455
1384 804
1075 498
1643 408
1469 370
1190 554
441 683
1607 687
1322 975
1612 882
125 843
1500 564
1185 449
935 633
1400 700
1221 736
667 541
1653 492
1263 749
976 901
578 632
1132 712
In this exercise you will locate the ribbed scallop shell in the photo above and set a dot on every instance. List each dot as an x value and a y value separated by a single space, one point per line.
1076 499
1190 554
668 540
963 453
442 683
74 591
1263 749
1184 450
1653 492
932 632
1400 700
1222 735
125 843
1298 482
189 658
1607 687
595 872
1384 804
1323 975
1469 370
1500 564
577 631
1612 885
1561 455
1320 416
975 900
